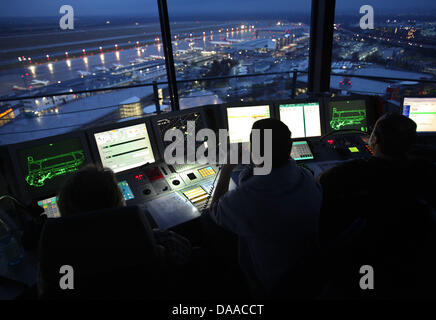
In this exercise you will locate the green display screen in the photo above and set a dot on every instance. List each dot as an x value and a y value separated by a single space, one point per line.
45 167
347 115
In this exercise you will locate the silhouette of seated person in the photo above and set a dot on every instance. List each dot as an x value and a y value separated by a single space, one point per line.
94 189
378 211
275 216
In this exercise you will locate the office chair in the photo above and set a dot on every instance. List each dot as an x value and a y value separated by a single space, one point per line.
112 252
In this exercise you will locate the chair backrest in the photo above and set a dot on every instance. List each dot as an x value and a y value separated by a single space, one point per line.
393 239
112 252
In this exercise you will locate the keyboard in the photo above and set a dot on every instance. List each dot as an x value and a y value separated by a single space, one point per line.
301 151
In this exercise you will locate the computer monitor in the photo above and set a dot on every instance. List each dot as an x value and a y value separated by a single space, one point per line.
124 148
347 115
45 165
240 121
125 190
179 121
303 119
422 111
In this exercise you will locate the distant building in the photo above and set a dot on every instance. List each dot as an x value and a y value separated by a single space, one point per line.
256 45
391 53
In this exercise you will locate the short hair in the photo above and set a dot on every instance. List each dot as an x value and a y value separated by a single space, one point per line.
281 140
89 189
395 134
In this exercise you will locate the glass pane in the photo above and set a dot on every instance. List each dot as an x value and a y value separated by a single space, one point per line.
227 39
401 45
93 45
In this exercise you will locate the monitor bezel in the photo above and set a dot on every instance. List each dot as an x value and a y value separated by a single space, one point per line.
303 101
159 138
33 195
118 125
370 114
420 133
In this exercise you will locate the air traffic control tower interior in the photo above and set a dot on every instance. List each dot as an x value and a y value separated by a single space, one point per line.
329 129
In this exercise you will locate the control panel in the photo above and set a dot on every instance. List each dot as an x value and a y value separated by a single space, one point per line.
153 181
158 183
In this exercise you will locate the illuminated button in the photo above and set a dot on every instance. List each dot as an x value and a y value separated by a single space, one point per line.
369 149
353 149
205 172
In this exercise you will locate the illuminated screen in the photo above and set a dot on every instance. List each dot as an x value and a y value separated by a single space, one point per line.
422 111
241 119
347 115
45 167
125 190
180 122
50 207
124 148
302 119
301 151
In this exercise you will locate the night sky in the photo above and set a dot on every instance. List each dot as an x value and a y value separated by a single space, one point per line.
36 8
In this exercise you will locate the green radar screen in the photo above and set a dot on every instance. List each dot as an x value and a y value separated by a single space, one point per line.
50 164
348 115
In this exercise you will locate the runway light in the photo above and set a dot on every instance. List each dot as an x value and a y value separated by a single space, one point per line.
32 69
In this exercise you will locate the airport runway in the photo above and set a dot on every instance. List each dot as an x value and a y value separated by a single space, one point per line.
61 70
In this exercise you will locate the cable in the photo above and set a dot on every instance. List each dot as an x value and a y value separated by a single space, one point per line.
6 196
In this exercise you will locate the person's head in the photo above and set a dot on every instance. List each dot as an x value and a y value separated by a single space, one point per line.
89 189
281 141
393 136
